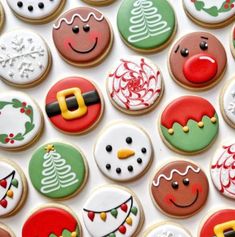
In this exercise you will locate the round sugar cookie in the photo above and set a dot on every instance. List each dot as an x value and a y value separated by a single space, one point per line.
232 41
58 170
5 231
25 59
189 125
135 85
180 188
56 220
74 105
83 36
21 120
99 2
197 61
112 211
146 25
123 151
2 16
211 14
36 11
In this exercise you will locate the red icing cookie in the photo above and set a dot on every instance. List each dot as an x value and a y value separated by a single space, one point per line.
83 36
197 61
74 105
219 224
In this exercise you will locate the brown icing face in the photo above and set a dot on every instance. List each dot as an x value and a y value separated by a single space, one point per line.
82 35
180 188
197 60
4 233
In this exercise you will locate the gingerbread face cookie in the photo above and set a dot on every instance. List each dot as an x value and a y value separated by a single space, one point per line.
24 117
74 105
57 220
83 36
219 224
189 124
197 61
24 58
209 13
232 41
123 151
5 231
135 85
112 211
149 25
180 188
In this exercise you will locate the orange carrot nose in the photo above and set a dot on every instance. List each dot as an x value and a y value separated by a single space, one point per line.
125 153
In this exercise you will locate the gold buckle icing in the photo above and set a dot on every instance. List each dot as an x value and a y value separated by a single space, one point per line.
219 229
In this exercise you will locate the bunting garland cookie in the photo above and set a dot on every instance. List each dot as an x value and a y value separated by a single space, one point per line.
135 85
56 220
212 14
149 25
123 151
2 16
13 188
25 58
197 61
5 231
83 36
21 120
58 170
113 211
180 188
74 105
37 11
232 41
189 124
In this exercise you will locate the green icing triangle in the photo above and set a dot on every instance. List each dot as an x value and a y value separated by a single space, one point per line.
15 183
114 213
112 235
134 210
66 233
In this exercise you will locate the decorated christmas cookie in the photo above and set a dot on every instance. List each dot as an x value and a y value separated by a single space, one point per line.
2 16
219 224
5 231
99 2
74 105
36 11
210 13
112 211
166 229
25 59
180 188
58 170
227 103
123 151
21 120
135 85
232 41
149 25
189 124
56 220
13 188
83 36
197 61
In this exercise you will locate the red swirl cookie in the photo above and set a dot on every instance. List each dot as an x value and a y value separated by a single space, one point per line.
197 61
83 36
74 105
180 188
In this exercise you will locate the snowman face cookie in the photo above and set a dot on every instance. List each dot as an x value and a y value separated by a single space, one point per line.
123 151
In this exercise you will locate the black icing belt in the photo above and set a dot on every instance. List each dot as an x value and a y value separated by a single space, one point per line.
90 98
229 233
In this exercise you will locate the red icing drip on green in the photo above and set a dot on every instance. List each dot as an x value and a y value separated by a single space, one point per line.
185 108
49 221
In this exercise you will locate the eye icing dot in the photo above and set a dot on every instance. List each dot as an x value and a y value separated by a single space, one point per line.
20 4
41 5
108 166
144 150
30 8
118 170
186 182
130 168
184 52
109 148
128 140
139 161
86 28
175 185
75 29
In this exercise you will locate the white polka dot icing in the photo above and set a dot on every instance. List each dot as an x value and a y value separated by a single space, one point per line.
24 57
210 11
123 151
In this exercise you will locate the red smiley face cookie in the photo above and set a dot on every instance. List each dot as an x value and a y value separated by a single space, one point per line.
197 61
83 36
180 188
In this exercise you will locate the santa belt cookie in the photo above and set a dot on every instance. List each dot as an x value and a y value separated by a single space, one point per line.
74 106
226 229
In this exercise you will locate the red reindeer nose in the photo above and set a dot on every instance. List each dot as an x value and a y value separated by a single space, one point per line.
200 68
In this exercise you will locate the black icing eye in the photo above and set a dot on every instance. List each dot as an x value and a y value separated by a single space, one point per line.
20 4
86 28
186 182
108 166
184 52
41 5
109 148
139 161
204 45
144 150
118 170
30 8
175 185
128 140
130 168
75 29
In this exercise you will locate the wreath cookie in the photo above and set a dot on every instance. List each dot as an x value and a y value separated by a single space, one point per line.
21 121
2 16
212 14
5 231
232 41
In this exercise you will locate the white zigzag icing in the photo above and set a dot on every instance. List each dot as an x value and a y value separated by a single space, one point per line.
80 17
156 184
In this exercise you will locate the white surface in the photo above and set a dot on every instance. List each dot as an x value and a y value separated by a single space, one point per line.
98 74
